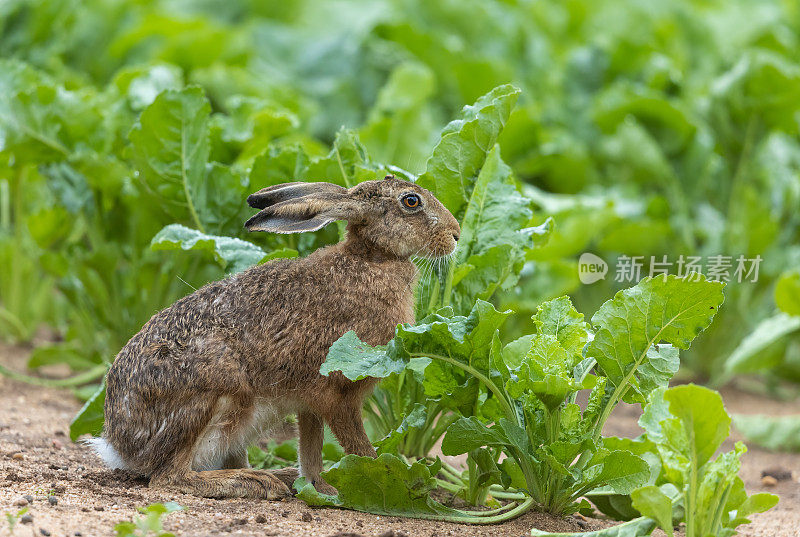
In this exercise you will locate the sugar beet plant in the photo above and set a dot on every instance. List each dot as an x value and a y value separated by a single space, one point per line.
519 400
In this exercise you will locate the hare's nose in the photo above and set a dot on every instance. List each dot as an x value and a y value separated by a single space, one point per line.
456 236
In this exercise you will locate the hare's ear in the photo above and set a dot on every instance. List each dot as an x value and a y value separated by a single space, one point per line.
286 191
299 207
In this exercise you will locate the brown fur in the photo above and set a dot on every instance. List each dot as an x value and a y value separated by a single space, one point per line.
206 376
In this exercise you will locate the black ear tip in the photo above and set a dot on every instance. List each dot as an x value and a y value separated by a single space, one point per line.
252 201
250 223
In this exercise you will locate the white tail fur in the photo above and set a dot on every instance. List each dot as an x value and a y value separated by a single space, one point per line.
106 451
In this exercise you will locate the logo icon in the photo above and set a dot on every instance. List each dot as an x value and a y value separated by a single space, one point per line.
591 268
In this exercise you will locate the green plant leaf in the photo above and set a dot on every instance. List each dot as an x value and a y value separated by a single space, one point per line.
234 255
748 356
651 502
656 310
171 149
787 293
356 360
776 433
89 418
494 236
546 372
414 420
620 470
689 421
383 486
638 527
467 434
559 318
464 145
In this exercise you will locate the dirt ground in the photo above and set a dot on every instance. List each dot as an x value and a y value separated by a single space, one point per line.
38 459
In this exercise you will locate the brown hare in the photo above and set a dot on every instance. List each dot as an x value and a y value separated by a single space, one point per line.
208 375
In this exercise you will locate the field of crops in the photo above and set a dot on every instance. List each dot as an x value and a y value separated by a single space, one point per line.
626 178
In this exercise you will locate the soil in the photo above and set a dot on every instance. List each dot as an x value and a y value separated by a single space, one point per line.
74 495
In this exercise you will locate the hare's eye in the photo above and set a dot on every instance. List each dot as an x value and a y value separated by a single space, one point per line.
411 201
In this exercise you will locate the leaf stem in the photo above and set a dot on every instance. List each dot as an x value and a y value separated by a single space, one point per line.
509 411
82 378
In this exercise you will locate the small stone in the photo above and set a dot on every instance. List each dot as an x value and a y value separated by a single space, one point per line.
581 523
260 518
29 498
306 517
285 513
78 534
18 456
60 433
769 481
99 508
85 509
27 518
53 466
44 532
52 500
239 521
359 524
21 502
57 444
778 472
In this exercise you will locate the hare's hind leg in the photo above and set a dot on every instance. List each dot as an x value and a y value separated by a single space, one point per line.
194 468
240 483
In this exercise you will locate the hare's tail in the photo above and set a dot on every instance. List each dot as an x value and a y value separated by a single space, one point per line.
110 456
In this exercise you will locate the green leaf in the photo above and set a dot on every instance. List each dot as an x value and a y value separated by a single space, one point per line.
748 356
787 293
401 127
41 121
467 434
356 360
464 145
776 433
494 237
283 253
414 420
466 339
670 309
559 318
546 372
171 148
638 527
689 420
611 504
234 255
515 352
382 486
141 85
756 503
89 418
66 353
651 502
622 471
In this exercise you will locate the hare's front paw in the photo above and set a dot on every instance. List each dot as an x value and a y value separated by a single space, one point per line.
323 487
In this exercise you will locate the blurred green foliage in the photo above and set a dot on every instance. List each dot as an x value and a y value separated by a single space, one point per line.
642 128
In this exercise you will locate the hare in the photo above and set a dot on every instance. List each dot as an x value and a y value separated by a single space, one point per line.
208 375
